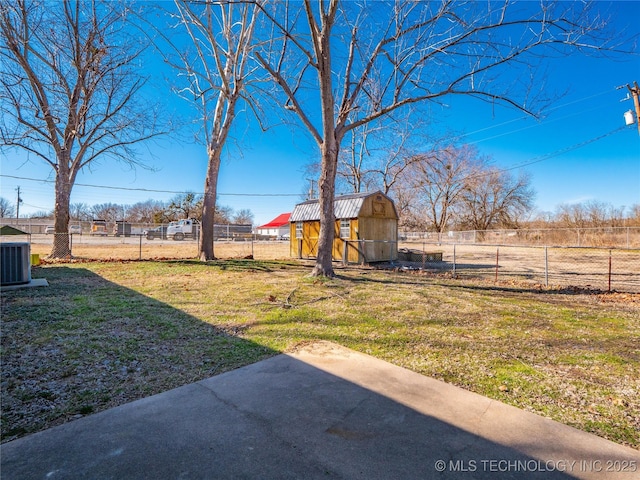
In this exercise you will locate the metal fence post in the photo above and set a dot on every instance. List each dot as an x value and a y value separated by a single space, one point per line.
546 266
345 253
609 271
628 237
140 256
391 244
454 259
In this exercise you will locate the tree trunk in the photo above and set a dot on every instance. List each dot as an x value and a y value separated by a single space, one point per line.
327 188
61 247
205 247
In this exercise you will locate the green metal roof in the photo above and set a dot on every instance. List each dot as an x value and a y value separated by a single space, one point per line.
9 230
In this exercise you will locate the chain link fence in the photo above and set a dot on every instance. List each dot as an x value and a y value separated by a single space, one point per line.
613 237
604 269
582 267
143 247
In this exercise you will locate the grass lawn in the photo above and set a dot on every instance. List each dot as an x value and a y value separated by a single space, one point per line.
106 333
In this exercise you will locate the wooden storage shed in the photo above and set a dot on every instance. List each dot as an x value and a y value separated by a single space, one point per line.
366 223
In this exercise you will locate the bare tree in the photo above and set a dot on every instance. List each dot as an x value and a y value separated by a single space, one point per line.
69 89
495 198
440 177
109 212
79 211
243 216
572 215
599 214
604 214
145 212
378 154
633 217
352 161
223 215
216 71
6 208
592 213
407 200
41 214
185 205
340 65
617 216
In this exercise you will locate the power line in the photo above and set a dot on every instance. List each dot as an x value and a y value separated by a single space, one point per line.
560 151
35 206
544 157
526 163
149 190
527 117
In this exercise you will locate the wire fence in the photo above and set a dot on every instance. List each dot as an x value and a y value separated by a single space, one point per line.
604 269
144 247
582 267
613 237
103 228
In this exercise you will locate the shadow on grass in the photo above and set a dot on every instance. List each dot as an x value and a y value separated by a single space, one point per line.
283 418
536 288
242 265
85 344
467 281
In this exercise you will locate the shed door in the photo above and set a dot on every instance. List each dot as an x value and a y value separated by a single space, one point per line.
310 235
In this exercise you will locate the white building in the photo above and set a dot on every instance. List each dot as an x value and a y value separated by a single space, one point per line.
278 227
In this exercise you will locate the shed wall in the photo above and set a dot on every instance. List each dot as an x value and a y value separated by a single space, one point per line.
378 206
380 237
372 236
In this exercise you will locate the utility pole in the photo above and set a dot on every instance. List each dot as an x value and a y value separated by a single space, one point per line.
635 92
18 202
312 194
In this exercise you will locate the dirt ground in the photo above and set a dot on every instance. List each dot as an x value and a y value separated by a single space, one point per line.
139 248
603 269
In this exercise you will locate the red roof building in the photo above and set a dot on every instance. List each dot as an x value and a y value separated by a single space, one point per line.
278 227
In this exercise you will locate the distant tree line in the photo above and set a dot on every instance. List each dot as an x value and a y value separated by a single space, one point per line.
588 214
186 205
447 186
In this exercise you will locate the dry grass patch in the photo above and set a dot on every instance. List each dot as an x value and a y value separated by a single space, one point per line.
106 333
130 248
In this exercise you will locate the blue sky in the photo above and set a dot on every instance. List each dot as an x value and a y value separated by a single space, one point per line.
266 173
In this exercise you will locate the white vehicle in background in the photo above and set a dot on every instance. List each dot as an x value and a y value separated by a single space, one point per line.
187 228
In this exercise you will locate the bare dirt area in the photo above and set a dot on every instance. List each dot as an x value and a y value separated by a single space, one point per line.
140 248
590 268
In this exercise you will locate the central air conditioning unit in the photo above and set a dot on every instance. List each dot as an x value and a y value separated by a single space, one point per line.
15 263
